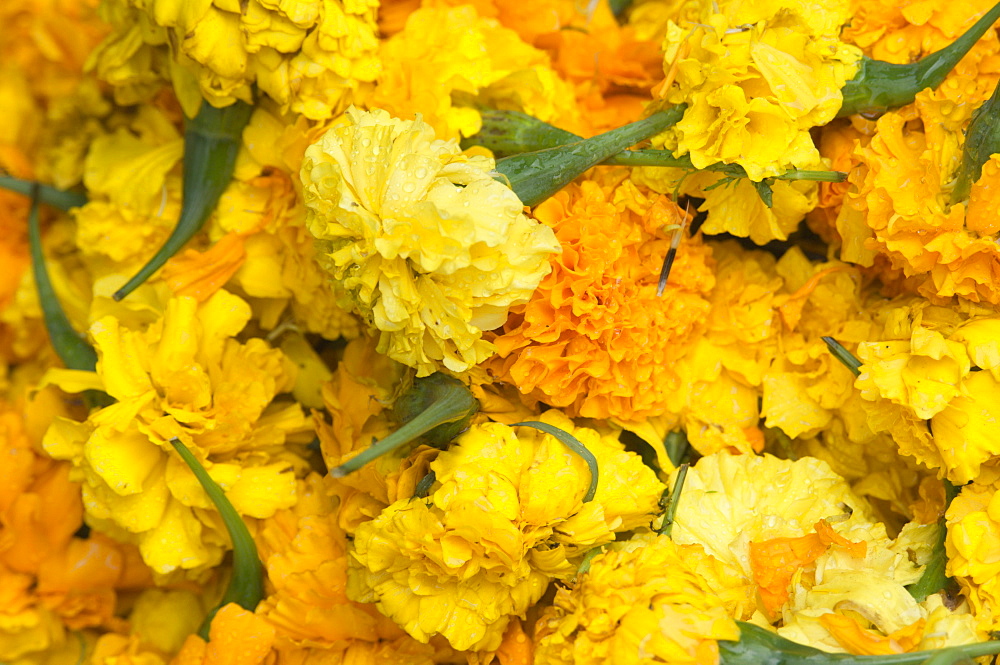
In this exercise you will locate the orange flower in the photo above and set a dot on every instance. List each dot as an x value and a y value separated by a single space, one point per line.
305 554
237 637
774 562
595 338
857 639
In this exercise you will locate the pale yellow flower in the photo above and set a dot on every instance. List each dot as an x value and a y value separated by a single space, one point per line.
430 249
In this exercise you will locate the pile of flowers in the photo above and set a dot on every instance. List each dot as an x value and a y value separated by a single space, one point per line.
494 333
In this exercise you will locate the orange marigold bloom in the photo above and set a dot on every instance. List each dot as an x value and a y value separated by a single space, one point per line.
595 338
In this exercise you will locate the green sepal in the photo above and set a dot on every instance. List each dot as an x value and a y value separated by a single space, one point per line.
436 408
573 444
57 198
211 144
982 141
71 347
759 646
879 86
507 133
535 176
246 587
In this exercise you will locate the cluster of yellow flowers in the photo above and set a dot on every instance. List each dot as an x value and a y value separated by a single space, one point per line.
339 332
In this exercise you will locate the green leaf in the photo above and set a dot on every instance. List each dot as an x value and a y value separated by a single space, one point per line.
70 346
211 144
764 192
982 141
934 578
246 588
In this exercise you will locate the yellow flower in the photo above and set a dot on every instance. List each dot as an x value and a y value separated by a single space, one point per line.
596 339
918 384
311 58
785 528
973 545
640 602
430 248
445 53
756 78
305 555
183 375
504 517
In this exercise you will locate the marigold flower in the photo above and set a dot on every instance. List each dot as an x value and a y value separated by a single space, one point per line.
311 58
430 249
918 384
640 601
973 545
756 78
183 375
446 53
595 338
427 563
306 556
763 518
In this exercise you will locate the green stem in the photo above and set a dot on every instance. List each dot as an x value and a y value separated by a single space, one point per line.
879 86
436 405
211 143
246 588
843 355
759 646
70 346
670 505
57 198
573 444
507 133
535 176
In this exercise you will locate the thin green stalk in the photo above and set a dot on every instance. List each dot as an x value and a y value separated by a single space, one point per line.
211 143
843 355
573 444
246 587
57 198
436 402
535 176
879 86
671 502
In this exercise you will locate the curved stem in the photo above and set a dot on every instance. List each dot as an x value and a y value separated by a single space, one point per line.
573 444
246 588
211 143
